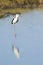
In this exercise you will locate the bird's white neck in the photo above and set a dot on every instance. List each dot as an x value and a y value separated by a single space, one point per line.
16 16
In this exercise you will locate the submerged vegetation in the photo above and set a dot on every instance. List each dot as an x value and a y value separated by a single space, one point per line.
18 6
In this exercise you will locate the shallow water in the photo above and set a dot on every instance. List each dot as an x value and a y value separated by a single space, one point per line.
29 39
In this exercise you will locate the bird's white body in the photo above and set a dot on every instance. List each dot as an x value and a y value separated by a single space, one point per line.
15 20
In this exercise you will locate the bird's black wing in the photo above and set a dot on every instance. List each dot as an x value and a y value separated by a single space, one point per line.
12 21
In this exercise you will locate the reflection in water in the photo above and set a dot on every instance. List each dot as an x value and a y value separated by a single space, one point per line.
16 51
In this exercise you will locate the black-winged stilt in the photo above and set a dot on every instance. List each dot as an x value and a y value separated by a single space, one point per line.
14 48
15 20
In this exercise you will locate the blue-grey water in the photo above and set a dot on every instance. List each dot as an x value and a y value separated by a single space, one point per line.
29 39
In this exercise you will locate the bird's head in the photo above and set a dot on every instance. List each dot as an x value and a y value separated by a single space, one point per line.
17 15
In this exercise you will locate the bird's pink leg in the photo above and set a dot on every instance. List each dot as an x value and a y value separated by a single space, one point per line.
14 36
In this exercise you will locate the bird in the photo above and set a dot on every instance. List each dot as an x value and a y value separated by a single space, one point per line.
15 20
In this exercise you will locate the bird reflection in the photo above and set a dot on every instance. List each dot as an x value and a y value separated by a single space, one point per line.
16 51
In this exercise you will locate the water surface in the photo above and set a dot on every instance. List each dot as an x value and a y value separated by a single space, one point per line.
29 39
